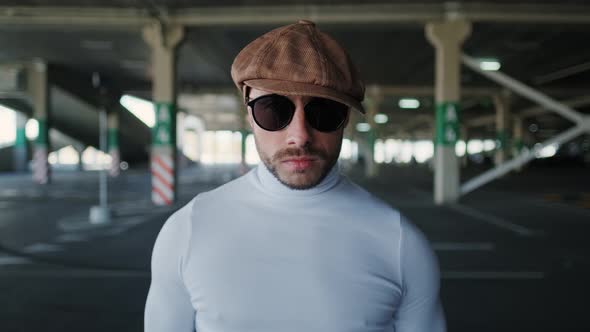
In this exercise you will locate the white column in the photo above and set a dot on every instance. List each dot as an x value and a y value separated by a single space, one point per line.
465 136
39 92
373 100
113 143
163 42
517 138
447 38
502 104
21 155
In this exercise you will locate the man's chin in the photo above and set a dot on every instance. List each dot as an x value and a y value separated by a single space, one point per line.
299 180
299 185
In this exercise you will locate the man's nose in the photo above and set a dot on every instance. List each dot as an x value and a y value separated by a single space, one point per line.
298 131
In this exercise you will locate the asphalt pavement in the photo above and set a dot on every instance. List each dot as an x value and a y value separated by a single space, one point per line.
513 254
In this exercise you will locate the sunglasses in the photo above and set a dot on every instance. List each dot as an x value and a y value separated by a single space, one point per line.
275 112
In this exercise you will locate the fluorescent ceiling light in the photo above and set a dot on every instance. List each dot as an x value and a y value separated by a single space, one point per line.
489 64
363 127
97 45
141 108
381 118
409 103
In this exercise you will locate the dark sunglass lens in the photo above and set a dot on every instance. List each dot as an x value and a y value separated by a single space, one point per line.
272 112
325 115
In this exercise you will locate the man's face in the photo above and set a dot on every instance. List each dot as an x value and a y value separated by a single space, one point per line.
299 156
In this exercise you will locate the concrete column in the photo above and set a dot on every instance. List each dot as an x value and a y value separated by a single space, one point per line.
80 150
465 135
163 41
242 116
373 101
113 143
21 157
517 137
502 104
354 137
39 91
181 159
413 140
447 38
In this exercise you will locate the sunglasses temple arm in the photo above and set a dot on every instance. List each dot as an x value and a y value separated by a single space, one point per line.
246 93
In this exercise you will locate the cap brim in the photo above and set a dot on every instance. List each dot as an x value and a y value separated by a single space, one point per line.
304 89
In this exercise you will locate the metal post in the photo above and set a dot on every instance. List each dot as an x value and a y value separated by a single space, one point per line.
103 185
101 214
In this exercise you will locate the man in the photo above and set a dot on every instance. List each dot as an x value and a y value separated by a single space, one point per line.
293 245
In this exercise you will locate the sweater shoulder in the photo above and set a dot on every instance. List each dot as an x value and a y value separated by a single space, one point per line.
228 191
364 198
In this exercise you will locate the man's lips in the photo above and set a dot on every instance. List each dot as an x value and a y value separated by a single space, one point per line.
298 159
299 162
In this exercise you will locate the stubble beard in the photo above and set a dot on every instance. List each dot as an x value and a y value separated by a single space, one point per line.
325 161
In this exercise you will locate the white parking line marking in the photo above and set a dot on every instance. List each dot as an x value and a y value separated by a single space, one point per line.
41 247
6 204
493 220
70 238
13 260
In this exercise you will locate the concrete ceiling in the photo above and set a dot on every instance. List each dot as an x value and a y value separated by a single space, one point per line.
543 44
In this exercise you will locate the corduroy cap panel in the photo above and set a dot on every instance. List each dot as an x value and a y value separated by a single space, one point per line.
298 59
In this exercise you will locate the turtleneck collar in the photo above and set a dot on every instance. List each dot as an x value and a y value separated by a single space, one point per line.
268 183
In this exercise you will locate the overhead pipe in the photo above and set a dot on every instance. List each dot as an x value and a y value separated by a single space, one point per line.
523 158
525 91
324 14
582 124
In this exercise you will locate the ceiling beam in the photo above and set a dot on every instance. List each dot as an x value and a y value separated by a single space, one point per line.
427 91
324 14
486 120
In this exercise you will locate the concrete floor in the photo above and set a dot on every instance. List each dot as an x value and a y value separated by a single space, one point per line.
513 255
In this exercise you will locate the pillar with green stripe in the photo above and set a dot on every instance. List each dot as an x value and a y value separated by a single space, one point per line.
503 148
38 90
447 124
113 144
518 145
20 145
373 101
447 38
163 41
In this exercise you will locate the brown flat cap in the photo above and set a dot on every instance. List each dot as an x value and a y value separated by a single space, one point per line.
298 59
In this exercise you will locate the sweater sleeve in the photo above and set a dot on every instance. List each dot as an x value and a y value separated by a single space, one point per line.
420 309
168 306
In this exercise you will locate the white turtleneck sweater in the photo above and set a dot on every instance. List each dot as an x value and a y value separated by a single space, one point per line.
256 256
